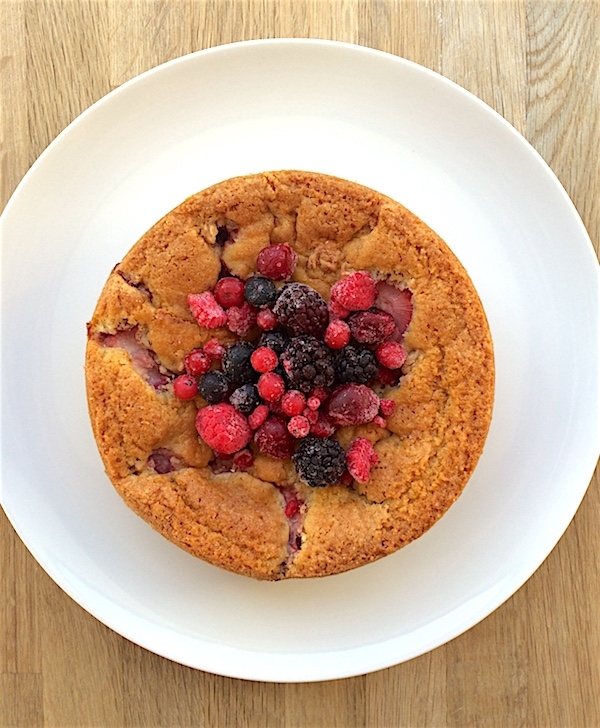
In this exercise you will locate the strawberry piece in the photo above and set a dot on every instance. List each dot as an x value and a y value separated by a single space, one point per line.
359 459
206 310
397 302
371 327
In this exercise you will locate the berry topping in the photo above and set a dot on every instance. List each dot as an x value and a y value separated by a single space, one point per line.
276 340
293 403
185 386
322 427
266 319
320 461
223 428
371 327
359 458
277 262
292 507
386 407
391 354
271 387
197 362
229 292
308 363
356 292
337 311
388 377
206 310
355 364
301 309
298 426
243 460
352 404
264 359
397 302
337 334
241 319
213 386
163 460
236 363
214 349
259 415
260 291
273 438
245 398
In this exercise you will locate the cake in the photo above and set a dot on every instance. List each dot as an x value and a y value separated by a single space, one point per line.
289 375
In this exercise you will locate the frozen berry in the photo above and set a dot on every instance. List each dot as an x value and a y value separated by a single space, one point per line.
319 461
293 403
214 349
356 292
298 426
380 421
337 334
243 460
386 407
213 386
355 364
197 362
241 319
308 363
352 404
245 398
391 354
276 340
264 359
260 291
236 363
223 428
371 327
359 459
271 387
273 438
388 377
313 403
257 417
311 415
302 309
337 311
322 427
397 302
185 386
266 319
229 292
206 310
277 262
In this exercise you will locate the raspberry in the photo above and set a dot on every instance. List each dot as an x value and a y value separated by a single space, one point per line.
359 458
214 349
293 403
311 415
266 319
371 327
308 363
391 354
260 414
241 319
272 438
206 310
319 461
243 460
223 428
264 359
213 386
277 262
355 364
245 398
337 334
185 387
313 403
271 387
380 422
197 362
386 407
301 309
356 292
352 404
298 426
236 363
260 291
229 292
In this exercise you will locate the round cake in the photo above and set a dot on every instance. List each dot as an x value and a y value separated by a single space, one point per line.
289 375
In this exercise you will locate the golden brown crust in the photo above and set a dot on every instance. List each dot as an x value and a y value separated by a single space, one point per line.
236 521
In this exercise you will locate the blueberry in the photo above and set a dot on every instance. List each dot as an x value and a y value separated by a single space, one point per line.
236 363
245 398
213 386
260 291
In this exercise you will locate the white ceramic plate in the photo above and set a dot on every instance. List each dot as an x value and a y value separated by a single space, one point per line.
368 117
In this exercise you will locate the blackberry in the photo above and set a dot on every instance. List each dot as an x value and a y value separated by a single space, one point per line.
236 363
355 364
213 386
320 461
245 398
302 310
308 363
276 340
260 291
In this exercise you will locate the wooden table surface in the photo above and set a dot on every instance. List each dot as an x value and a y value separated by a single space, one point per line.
533 662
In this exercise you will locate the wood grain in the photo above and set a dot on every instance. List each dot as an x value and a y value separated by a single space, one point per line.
534 662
